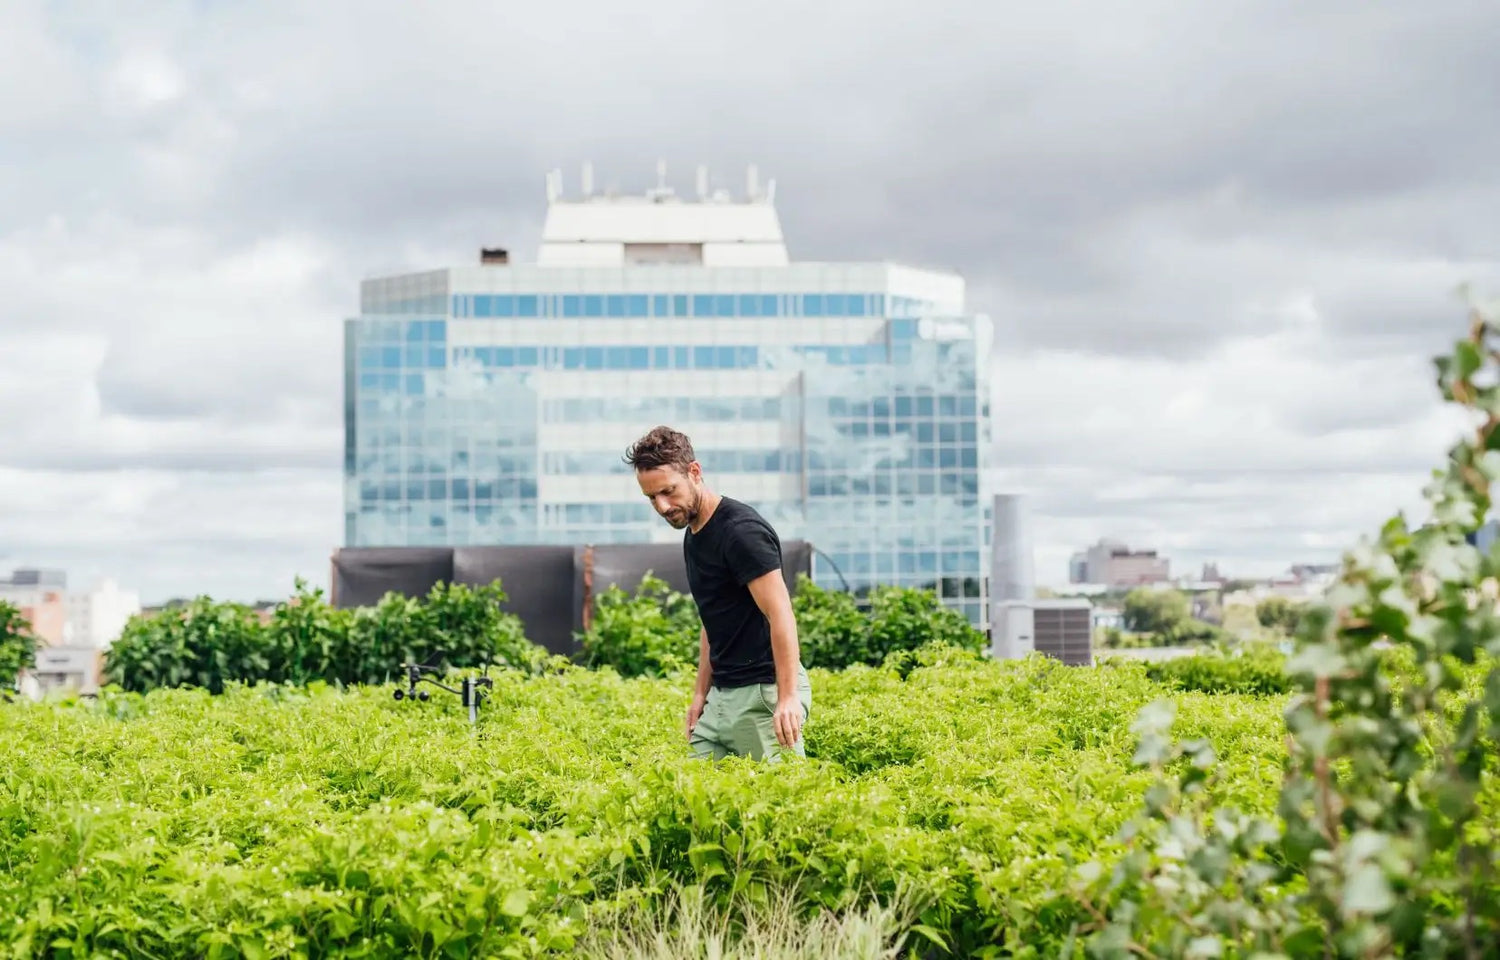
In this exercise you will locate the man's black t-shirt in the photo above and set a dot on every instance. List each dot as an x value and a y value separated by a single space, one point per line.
735 546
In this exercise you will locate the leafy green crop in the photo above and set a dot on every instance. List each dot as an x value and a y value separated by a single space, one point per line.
286 821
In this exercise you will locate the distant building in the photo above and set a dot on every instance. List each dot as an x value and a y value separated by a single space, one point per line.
96 617
1114 564
41 598
491 402
74 629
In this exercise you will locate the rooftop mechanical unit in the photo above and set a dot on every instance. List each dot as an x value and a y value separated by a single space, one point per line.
1060 628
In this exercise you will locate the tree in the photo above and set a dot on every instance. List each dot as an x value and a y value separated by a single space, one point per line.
1155 611
17 643
1279 613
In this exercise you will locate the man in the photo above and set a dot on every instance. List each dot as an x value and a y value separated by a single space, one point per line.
752 695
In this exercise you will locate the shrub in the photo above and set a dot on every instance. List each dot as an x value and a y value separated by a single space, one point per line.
211 644
17 643
649 633
1257 670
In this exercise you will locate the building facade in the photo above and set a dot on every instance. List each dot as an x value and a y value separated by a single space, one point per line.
1113 564
848 402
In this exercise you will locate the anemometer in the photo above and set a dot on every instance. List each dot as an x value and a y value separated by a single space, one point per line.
469 690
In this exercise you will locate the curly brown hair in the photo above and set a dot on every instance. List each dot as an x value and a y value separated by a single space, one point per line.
662 447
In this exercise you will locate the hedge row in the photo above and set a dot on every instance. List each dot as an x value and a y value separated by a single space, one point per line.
651 631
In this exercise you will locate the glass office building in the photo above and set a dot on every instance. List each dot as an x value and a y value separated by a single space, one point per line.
493 403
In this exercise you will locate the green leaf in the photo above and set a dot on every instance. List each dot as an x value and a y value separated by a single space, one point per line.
1367 892
515 903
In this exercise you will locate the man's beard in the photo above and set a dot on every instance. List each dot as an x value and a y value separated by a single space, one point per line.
689 513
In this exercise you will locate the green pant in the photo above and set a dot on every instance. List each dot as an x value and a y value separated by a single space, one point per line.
738 720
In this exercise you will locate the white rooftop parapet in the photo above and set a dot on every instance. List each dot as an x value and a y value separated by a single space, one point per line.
659 227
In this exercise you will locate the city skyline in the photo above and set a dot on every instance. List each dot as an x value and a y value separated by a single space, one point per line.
1197 266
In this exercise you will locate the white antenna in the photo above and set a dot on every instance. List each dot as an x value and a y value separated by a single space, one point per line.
588 179
752 182
702 182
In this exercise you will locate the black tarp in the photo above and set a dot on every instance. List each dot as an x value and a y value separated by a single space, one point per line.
548 587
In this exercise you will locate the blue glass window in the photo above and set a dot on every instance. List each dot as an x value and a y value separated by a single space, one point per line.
834 304
680 305
369 381
617 358
703 357
572 305
614 305
593 305
526 306
505 356
639 359
903 329
812 305
663 357
749 305
437 357
703 305
416 356
680 358
635 305
593 358
660 306
416 332
526 356
572 358
414 385
369 356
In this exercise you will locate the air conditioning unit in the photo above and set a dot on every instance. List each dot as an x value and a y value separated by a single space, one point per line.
1061 628
1065 629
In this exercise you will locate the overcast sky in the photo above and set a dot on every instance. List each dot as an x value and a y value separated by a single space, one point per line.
1220 240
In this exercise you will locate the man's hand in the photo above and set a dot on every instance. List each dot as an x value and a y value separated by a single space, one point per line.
787 721
695 710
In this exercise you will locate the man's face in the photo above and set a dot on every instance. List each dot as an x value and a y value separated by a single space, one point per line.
674 494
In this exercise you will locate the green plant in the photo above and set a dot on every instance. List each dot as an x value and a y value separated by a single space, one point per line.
1155 611
1279 613
902 618
208 644
650 633
832 631
200 643
1384 842
943 798
17 643
1257 670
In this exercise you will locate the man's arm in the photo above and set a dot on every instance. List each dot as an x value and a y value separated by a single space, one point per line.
770 593
700 687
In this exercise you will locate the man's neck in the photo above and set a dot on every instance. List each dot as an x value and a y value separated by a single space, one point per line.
706 509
